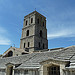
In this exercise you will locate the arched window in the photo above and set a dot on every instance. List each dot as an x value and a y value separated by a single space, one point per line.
31 20
54 70
39 44
26 22
43 24
43 46
38 20
24 45
28 44
10 54
40 33
27 34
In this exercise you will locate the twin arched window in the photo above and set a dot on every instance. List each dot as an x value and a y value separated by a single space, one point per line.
40 45
38 21
28 44
26 22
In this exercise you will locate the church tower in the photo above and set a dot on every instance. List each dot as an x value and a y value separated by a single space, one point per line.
34 32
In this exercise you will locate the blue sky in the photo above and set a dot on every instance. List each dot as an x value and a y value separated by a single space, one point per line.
60 16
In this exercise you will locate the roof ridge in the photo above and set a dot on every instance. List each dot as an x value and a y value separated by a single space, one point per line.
72 56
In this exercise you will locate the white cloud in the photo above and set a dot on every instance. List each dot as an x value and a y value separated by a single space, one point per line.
65 32
3 38
5 42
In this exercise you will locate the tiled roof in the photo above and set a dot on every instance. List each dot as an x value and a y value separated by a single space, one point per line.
33 60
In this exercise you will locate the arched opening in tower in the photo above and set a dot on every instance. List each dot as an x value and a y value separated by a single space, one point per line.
27 34
40 33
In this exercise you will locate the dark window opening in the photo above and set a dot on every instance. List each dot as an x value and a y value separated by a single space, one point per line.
17 65
16 54
26 22
38 21
43 46
43 23
17 71
26 72
24 45
27 33
54 70
10 54
27 50
31 20
11 70
24 53
28 44
40 33
39 44
68 64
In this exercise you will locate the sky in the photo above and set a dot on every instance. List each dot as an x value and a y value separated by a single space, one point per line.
60 16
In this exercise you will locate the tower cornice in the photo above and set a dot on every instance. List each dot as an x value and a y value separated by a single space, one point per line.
34 12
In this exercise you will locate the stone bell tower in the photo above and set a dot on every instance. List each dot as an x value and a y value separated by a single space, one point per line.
34 32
